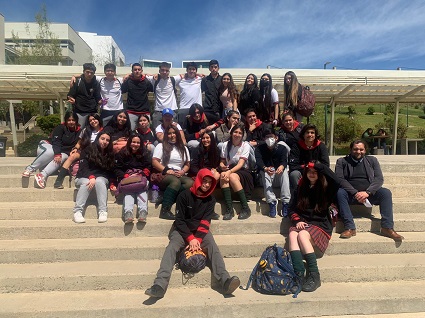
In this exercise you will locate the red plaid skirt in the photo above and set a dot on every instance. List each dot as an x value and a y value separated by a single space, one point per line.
319 237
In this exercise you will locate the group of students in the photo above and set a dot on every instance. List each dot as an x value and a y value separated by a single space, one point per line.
227 147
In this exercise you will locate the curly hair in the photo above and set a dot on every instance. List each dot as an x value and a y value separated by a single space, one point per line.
103 158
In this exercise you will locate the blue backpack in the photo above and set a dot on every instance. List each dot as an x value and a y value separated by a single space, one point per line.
274 274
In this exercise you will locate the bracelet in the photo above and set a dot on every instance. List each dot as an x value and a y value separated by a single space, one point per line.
164 172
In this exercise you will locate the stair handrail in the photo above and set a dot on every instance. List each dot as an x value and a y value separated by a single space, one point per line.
32 119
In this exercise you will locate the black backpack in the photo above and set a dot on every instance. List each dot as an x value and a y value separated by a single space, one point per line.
173 81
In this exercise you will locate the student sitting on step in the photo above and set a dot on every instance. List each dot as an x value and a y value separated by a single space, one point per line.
311 221
361 182
96 166
194 209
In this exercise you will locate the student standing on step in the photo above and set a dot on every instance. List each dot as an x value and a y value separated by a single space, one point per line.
311 221
194 209
164 88
110 90
138 87
361 181
210 86
96 168
84 94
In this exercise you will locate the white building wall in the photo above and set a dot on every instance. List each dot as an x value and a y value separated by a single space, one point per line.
105 49
74 49
2 46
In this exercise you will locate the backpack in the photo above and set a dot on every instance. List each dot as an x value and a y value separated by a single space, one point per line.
306 105
191 262
274 274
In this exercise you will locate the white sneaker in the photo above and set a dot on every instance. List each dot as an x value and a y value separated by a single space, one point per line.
79 218
103 217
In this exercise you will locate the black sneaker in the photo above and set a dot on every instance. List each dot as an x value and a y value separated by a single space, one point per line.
166 214
229 214
245 213
155 291
230 285
312 282
215 216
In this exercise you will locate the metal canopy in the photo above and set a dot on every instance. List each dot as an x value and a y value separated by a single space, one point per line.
40 82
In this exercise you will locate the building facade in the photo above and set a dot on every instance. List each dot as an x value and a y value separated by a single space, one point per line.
104 49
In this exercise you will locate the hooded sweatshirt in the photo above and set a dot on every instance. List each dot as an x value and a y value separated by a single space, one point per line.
291 137
194 211
301 155
194 126
258 133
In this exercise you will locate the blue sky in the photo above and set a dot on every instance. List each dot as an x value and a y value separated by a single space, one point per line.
378 34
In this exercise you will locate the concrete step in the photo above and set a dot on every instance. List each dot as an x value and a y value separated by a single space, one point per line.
16 181
50 194
114 227
147 248
330 299
52 210
130 274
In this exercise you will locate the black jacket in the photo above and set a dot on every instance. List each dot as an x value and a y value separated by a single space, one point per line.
258 133
138 90
87 95
88 169
275 157
210 86
301 155
344 169
124 162
63 139
249 101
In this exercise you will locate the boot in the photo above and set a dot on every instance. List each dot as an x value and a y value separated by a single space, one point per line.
61 176
312 282
166 213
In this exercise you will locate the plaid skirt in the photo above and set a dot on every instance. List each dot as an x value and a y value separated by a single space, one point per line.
320 238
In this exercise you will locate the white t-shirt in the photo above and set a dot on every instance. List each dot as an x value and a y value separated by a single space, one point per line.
190 92
92 137
164 93
274 96
111 91
236 153
176 161
160 128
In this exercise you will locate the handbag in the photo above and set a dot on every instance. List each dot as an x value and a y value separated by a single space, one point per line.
135 183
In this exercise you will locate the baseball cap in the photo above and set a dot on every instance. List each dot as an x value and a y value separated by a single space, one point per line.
167 111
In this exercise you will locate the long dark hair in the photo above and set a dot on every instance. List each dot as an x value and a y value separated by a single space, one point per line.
103 158
88 130
240 126
167 147
114 123
266 104
231 87
318 196
213 155
247 90
128 152
290 92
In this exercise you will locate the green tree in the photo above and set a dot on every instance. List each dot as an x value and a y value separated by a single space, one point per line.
346 129
45 48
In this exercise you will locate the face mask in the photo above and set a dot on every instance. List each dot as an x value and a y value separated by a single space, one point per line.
264 83
270 141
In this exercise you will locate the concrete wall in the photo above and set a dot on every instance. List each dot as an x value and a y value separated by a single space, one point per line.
77 52
2 47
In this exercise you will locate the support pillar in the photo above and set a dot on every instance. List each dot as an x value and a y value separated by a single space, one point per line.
396 109
331 137
13 127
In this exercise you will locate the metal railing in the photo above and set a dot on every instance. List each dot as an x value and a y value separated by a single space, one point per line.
32 119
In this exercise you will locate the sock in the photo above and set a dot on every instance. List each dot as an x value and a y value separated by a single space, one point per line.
243 199
297 261
169 197
227 197
311 262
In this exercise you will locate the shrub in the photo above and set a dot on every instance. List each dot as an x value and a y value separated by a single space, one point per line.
47 123
370 110
346 129
28 148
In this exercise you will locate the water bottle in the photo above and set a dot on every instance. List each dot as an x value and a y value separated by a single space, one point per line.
154 194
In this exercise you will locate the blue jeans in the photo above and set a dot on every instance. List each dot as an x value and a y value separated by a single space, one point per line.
383 197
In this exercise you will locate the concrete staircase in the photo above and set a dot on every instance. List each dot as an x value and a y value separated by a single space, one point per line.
51 267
